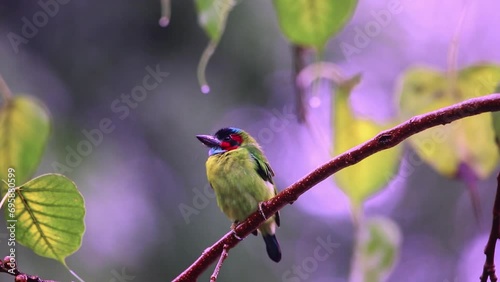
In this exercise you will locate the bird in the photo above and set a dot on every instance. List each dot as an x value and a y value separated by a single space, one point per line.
242 178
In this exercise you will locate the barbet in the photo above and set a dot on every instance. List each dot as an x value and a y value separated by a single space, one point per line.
242 178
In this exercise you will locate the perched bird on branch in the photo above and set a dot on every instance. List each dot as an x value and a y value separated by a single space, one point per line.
242 178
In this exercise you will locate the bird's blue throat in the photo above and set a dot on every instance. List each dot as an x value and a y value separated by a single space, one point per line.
215 151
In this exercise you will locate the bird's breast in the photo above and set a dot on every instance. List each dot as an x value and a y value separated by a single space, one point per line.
236 183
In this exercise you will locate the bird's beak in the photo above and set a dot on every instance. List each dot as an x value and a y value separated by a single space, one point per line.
209 140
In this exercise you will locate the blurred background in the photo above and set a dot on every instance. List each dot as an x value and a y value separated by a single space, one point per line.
150 213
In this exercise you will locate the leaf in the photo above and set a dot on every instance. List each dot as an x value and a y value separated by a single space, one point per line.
50 214
378 244
469 141
212 16
312 23
371 174
24 130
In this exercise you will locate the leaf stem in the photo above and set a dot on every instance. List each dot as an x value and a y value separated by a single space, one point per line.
5 197
4 89
489 250
165 13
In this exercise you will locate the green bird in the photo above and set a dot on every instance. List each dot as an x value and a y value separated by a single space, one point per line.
242 178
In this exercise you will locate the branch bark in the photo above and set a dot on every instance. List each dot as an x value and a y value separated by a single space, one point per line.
384 140
299 63
19 276
489 250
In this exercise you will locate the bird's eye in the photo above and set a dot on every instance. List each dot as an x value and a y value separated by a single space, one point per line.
227 138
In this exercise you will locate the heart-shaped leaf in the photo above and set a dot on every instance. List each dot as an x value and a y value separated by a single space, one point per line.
47 216
311 23
371 174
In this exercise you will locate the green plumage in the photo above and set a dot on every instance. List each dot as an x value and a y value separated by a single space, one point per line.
241 177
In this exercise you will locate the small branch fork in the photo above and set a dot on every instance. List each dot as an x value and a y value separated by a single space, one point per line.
19 276
489 250
384 140
222 258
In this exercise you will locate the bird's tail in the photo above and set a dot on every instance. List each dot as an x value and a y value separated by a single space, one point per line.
272 247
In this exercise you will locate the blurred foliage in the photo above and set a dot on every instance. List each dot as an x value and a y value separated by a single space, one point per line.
212 16
371 174
377 249
24 130
46 214
311 23
469 141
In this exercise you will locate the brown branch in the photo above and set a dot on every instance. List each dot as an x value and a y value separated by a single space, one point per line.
19 276
489 250
299 63
222 258
384 140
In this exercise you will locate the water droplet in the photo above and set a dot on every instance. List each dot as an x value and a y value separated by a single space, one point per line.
314 102
164 21
205 89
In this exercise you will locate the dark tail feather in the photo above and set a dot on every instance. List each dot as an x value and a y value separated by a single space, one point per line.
272 247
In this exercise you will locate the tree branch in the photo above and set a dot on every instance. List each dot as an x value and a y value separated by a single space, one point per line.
489 250
384 140
299 63
19 276
222 258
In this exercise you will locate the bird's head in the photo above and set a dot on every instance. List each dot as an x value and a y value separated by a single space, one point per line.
225 139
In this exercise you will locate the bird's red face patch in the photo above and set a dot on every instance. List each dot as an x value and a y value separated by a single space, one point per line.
231 142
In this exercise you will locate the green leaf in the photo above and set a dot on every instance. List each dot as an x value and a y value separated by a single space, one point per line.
377 250
469 141
212 16
24 130
50 214
370 175
312 23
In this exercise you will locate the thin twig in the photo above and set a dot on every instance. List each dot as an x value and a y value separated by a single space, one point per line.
489 250
222 258
4 89
384 140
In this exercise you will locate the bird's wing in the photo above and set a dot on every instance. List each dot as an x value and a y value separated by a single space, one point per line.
263 168
266 172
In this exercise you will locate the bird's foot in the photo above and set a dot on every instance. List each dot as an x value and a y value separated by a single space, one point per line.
236 235
234 225
261 211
